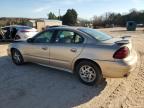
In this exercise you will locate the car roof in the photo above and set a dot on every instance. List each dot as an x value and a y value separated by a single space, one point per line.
66 27
14 26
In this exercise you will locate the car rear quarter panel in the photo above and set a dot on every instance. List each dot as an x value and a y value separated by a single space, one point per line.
98 52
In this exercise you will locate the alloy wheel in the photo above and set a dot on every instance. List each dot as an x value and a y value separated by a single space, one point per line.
87 73
16 57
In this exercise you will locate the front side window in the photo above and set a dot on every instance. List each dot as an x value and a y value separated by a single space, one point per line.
68 37
44 37
23 27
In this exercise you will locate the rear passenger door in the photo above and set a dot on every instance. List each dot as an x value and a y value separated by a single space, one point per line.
67 46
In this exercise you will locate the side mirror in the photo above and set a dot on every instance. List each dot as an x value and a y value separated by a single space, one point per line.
30 40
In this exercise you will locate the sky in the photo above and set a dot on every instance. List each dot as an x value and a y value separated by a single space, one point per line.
85 8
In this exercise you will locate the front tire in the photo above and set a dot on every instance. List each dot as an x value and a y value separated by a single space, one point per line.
89 73
17 58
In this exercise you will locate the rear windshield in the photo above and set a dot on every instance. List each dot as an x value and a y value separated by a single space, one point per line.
96 34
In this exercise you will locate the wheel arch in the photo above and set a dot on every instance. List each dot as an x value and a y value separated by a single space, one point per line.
84 59
12 49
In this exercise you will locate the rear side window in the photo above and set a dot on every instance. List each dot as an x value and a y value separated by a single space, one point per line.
68 37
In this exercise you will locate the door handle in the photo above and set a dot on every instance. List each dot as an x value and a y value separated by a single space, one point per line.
44 48
73 50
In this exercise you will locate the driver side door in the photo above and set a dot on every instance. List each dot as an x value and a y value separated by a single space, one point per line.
38 50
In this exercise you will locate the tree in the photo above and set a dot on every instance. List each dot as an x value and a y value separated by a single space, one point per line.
109 19
70 18
52 16
84 22
98 21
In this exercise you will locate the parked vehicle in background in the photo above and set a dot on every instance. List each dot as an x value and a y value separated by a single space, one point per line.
140 25
88 53
131 25
15 32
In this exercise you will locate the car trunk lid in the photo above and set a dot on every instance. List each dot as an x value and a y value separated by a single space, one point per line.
121 42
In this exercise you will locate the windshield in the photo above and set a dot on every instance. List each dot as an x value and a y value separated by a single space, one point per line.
96 34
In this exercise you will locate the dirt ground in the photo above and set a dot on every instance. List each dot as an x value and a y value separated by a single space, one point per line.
33 86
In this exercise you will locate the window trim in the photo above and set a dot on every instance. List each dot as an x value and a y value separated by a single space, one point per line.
42 33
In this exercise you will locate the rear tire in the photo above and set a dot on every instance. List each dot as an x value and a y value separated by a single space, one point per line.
89 73
17 58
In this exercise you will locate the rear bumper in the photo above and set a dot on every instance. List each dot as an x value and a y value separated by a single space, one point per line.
118 68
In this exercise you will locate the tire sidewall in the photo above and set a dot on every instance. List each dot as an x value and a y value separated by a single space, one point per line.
21 58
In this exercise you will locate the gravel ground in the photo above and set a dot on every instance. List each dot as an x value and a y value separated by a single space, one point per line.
33 86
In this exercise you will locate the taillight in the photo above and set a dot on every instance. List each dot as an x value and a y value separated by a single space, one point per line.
121 53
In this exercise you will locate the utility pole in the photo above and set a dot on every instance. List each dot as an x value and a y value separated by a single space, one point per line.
59 14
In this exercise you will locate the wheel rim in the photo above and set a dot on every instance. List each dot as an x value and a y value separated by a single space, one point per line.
16 57
87 73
